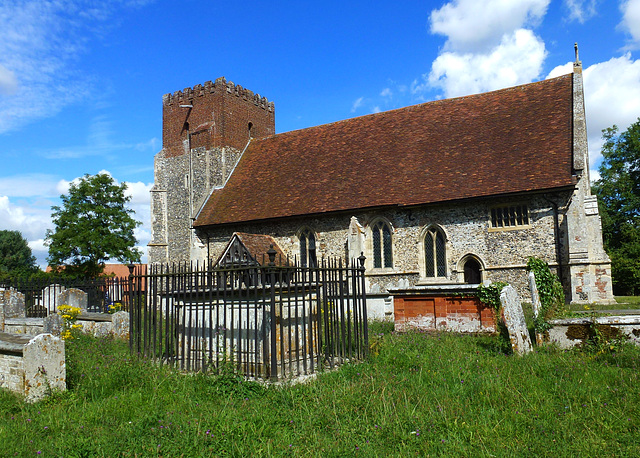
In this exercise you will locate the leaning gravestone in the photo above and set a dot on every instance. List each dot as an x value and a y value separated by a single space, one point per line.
535 302
73 297
514 318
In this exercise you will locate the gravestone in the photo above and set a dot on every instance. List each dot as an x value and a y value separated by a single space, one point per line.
514 319
73 297
121 324
535 303
11 305
53 324
50 296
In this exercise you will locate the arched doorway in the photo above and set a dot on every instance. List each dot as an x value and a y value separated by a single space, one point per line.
472 271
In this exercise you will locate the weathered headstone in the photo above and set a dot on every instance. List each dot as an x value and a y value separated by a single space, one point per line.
50 296
12 302
121 324
53 324
73 297
44 367
535 303
11 305
514 319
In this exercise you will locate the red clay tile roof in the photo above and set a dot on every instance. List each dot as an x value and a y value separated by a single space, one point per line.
258 245
507 141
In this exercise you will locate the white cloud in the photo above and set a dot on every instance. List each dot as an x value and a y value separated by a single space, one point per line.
631 18
376 109
357 104
516 60
478 25
386 92
30 185
581 10
612 96
31 220
40 41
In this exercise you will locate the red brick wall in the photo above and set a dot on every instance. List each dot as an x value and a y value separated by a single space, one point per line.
220 116
443 313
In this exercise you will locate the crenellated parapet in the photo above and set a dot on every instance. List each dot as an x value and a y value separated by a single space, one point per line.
187 95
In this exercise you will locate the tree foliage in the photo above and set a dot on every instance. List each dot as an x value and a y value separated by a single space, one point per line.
93 225
618 191
15 255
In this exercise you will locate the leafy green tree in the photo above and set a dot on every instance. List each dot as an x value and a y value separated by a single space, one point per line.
15 255
93 225
618 191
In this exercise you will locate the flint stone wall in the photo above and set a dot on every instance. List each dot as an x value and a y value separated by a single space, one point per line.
502 253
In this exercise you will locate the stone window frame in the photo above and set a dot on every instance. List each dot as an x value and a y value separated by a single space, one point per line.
422 261
387 265
304 233
517 218
463 260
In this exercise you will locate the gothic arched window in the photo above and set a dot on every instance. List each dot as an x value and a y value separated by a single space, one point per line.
382 250
435 253
308 248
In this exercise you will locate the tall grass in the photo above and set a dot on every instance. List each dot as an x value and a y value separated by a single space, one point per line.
420 394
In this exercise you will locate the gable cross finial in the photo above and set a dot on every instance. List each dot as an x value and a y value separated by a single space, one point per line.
577 65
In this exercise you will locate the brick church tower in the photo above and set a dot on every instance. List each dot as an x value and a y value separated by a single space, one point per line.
205 129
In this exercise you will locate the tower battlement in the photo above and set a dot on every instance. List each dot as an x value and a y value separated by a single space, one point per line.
214 114
221 84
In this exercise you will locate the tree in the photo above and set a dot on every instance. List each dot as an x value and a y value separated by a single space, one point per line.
92 226
618 191
15 255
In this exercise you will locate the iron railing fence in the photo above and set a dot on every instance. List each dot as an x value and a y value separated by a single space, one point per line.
41 295
269 321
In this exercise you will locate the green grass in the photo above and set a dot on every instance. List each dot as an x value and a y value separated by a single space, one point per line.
622 303
420 395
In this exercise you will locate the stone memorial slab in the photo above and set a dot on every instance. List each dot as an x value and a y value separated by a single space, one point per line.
74 297
50 296
514 318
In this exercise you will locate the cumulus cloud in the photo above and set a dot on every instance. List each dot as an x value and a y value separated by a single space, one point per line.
31 220
612 96
581 10
631 19
478 25
516 60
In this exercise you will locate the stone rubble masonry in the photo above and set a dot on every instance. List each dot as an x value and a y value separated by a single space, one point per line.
32 366
502 254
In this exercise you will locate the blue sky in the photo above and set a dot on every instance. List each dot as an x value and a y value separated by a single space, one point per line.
81 81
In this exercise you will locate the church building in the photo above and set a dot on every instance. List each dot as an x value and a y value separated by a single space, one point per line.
451 192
